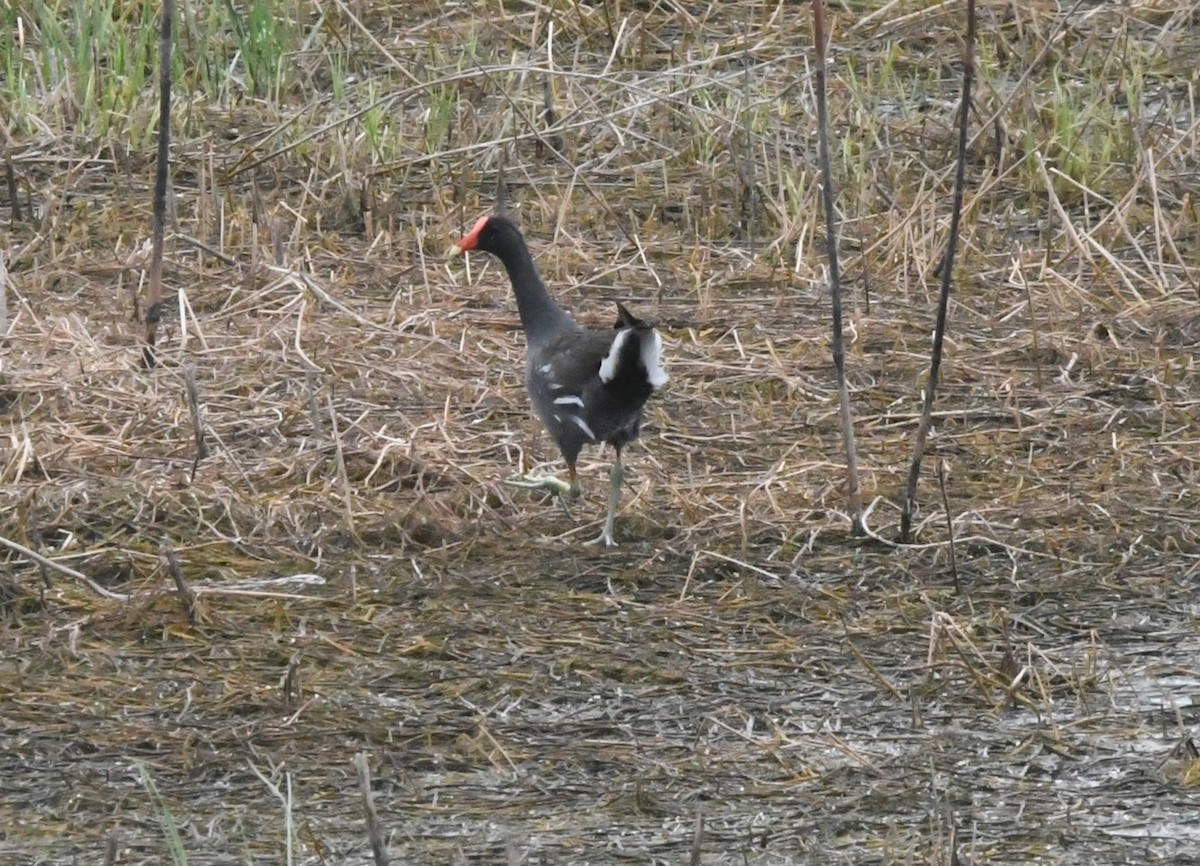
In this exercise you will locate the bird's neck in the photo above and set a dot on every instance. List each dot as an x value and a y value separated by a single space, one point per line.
541 316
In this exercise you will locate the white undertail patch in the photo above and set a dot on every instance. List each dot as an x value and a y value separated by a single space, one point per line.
583 425
652 360
569 400
608 367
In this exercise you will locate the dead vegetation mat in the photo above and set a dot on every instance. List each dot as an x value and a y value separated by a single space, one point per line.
741 680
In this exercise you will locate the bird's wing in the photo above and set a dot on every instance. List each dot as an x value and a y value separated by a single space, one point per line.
571 361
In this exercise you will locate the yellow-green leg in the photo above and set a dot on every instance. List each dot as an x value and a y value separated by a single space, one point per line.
568 489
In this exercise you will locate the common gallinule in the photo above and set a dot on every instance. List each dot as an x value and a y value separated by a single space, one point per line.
587 386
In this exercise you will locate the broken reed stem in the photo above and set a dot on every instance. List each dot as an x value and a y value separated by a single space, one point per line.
743 157
608 24
208 248
853 487
10 178
628 231
697 839
941 477
1010 668
501 186
111 845
314 409
374 828
62 569
279 241
252 272
939 333
25 513
880 679
189 380
945 852
550 116
1033 327
187 599
154 289
3 299
340 458
291 685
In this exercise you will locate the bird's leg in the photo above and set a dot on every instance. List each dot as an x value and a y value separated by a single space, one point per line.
616 477
568 489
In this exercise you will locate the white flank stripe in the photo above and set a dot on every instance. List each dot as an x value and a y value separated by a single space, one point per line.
569 400
583 425
608 367
652 359
545 368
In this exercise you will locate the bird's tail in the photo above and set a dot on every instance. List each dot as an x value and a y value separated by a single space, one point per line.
636 351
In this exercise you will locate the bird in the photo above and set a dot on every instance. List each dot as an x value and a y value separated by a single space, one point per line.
587 386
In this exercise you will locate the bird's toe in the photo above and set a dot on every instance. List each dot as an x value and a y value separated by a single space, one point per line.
544 482
604 539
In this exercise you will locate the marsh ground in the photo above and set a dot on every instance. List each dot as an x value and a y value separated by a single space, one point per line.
364 581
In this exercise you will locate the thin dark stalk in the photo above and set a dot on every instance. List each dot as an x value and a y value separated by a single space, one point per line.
161 177
939 333
853 487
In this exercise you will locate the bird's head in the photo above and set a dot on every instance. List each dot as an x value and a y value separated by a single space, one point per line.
491 234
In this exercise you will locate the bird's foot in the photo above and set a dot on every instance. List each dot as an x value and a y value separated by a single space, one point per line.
605 538
552 483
